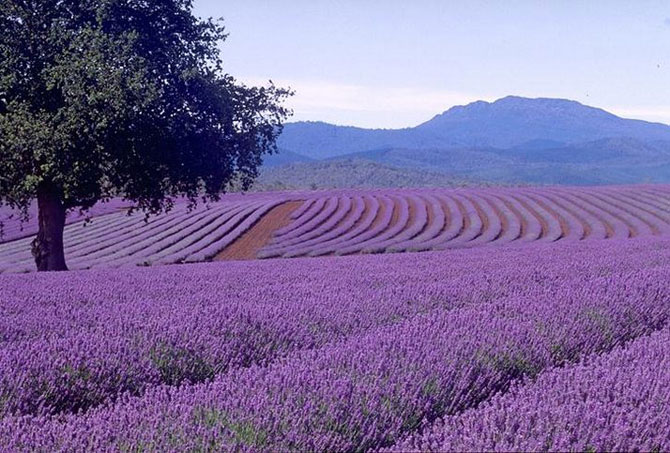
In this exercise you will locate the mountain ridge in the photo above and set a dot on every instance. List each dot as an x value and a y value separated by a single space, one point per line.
504 123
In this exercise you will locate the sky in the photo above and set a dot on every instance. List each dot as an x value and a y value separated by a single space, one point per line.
397 63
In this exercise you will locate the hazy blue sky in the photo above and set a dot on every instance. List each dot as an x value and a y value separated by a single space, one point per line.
378 63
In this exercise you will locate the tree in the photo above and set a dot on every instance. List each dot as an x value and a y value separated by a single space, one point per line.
106 98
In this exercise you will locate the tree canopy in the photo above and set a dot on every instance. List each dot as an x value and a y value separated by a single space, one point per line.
106 98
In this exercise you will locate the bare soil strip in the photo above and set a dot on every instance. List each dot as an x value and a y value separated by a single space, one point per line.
255 238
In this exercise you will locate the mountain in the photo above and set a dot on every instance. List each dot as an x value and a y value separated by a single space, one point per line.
284 157
510 122
513 120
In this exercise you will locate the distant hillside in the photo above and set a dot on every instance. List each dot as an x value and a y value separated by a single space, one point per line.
606 161
284 157
352 173
506 123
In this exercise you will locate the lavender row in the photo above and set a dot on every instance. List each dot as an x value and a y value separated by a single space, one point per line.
13 227
613 402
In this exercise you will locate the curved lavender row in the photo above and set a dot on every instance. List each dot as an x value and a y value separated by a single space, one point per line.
355 211
659 205
633 212
370 390
178 236
219 234
594 228
578 223
218 245
432 230
662 197
634 225
494 227
355 245
371 209
294 236
76 232
8 256
571 409
401 206
131 238
74 235
128 234
302 208
474 226
201 237
305 216
410 230
144 236
654 206
660 189
618 228
15 229
553 230
285 247
531 227
511 227
454 225
652 202
657 220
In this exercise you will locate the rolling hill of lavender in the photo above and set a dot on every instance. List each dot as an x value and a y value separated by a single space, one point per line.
343 222
463 319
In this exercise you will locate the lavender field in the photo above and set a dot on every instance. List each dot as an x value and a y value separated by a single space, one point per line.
492 348
343 222
250 226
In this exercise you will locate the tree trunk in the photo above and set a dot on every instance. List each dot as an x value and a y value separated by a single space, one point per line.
47 247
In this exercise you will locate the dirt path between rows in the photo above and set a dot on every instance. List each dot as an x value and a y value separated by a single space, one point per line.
255 238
